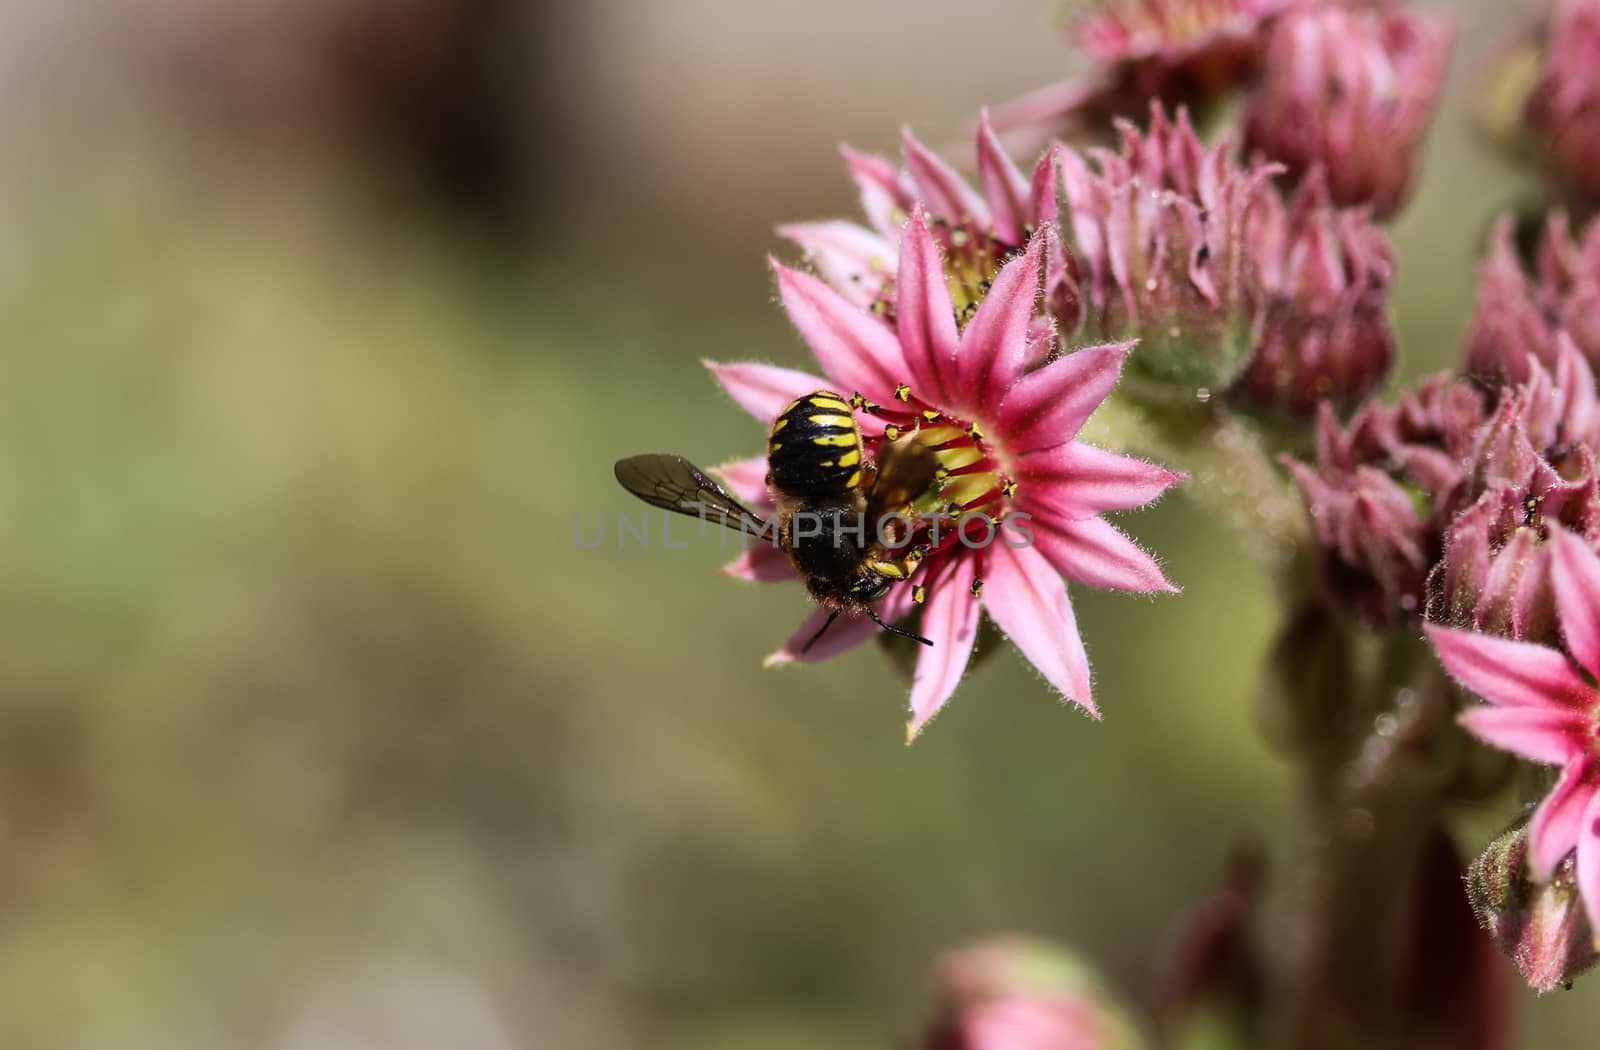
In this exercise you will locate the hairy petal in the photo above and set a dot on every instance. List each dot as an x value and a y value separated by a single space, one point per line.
1092 551
1027 599
1049 406
1003 184
950 621
1575 574
1550 735
1518 674
852 258
761 563
885 198
1076 480
856 351
1553 832
1589 861
944 191
924 316
764 391
995 349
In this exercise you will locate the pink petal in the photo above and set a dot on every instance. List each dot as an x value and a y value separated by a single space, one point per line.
1518 674
856 351
1027 599
1003 185
1076 480
950 621
1575 573
995 349
1551 735
1092 551
761 563
945 193
885 198
846 633
852 258
1049 406
747 479
1044 196
764 391
925 319
1589 861
1553 832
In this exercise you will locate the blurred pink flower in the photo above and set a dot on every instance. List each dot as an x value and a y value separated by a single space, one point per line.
1171 51
1350 90
1016 993
1003 433
1518 313
1172 30
1564 108
1542 707
1322 283
978 230
1157 233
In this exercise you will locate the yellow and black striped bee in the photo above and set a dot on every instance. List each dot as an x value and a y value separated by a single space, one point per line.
831 501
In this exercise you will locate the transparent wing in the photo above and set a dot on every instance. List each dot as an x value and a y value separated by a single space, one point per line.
673 483
906 469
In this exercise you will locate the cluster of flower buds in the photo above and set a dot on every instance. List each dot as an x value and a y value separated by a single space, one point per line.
1531 468
1564 108
1350 91
1382 491
1012 993
1174 52
1519 313
1348 88
1157 234
1321 280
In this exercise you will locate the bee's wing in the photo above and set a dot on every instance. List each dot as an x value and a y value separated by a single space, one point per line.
906 468
673 483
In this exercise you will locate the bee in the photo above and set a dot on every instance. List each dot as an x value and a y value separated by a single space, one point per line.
834 506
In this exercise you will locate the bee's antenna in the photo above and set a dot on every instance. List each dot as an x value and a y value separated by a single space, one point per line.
822 631
891 628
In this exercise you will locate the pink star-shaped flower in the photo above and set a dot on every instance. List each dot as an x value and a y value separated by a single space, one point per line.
1004 429
1543 706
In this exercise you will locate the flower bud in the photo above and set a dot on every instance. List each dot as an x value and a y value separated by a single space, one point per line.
1352 91
1543 928
1157 234
1564 108
1520 314
1014 993
1322 277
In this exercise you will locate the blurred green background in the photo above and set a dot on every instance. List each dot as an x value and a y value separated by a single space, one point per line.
321 319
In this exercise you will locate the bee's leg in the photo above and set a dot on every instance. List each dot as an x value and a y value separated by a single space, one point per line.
821 631
892 629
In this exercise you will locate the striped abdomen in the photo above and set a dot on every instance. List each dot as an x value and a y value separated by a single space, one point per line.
814 449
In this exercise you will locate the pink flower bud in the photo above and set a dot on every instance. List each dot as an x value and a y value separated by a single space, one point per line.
1542 927
1382 491
1322 277
1564 109
1352 91
1519 312
1157 232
